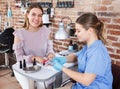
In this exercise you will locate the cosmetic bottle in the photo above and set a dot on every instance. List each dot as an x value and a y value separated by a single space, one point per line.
70 47
24 64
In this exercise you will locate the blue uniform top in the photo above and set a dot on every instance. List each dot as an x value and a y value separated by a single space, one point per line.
95 60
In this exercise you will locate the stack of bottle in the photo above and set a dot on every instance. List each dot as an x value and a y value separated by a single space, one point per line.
23 64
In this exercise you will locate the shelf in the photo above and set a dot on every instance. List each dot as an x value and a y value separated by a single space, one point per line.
65 4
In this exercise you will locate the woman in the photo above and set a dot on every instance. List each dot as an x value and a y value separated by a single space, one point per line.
32 41
94 63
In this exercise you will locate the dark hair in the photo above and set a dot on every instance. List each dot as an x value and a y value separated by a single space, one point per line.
88 20
31 6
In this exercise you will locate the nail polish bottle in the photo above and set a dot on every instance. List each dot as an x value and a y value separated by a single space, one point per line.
34 62
20 64
24 64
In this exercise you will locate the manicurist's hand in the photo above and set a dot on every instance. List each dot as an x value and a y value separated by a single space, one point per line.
57 65
61 60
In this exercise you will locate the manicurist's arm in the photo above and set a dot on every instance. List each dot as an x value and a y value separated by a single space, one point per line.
83 78
71 57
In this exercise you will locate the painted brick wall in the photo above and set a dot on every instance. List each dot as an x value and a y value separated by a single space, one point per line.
106 10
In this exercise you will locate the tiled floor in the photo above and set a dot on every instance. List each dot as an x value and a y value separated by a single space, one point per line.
7 81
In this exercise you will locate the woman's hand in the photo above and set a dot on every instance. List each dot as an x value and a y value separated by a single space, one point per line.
38 59
50 56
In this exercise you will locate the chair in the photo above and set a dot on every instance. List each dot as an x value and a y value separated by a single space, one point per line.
6 42
116 77
67 81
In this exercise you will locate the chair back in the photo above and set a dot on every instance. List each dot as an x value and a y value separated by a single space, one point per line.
7 38
116 76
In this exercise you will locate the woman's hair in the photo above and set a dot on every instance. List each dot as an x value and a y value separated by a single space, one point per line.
34 5
88 20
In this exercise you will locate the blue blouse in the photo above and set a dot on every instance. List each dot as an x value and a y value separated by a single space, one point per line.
95 60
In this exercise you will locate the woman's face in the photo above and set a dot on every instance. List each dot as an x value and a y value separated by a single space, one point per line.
81 33
35 17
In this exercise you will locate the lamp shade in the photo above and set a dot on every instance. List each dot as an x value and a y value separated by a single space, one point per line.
45 18
61 33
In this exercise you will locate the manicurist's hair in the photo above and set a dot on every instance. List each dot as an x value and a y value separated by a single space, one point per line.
88 20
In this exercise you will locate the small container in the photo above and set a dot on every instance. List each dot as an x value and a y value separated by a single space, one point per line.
32 69
70 47
75 46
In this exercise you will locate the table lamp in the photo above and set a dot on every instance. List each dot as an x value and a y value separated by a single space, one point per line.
61 33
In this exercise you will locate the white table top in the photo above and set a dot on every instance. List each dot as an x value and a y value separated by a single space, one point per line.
44 74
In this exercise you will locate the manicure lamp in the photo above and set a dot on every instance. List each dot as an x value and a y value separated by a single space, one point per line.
61 33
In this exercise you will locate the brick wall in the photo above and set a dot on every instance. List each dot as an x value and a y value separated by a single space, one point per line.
106 10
